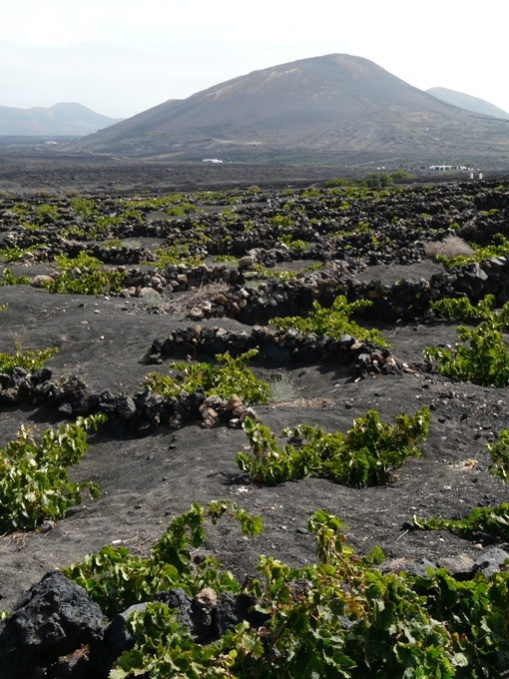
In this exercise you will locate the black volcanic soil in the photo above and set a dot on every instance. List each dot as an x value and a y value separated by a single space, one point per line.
144 481
29 167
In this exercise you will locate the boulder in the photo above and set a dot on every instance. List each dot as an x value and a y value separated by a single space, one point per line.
53 619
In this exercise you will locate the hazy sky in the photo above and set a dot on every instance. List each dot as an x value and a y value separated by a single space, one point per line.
121 57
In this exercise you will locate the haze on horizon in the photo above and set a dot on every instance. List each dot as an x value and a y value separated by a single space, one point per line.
121 57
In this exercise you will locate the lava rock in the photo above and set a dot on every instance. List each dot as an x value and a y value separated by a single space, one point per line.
54 618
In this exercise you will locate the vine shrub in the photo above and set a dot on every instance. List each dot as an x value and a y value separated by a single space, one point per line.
333 322
499 452
484 360
230 377
337 617
480 253
365 456
462 309
8 278
34 483
84 275
492 522
489 522
30 359
86 282
116 579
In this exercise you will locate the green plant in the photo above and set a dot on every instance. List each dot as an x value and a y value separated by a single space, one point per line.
82 260
281 220
181 209
366 455
84 275
15 254
312 192
231 377
270 273
47 213
337 617
481 253
499 453
87 283
116 579
402 176
295 244
30 359
377 180
492 522
8 278
34 483
230 259
333 322
83 207
174 255
337 182
21 210
462 309
484 360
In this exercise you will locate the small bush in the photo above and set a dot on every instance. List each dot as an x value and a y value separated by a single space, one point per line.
30 359
492 522
8 278
484 360
479 253
336 182
84 275
86 282
34 483
365 456
377 180
116 579
462 309
333 322
499 453
231 377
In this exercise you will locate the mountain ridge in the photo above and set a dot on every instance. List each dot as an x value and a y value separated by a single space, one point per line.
468 102
61 119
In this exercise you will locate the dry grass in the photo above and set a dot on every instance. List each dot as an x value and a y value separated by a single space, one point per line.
183 301
204 292
452 246
317 403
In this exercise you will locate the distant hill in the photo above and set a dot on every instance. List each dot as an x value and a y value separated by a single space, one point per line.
336 108
58 120
468 102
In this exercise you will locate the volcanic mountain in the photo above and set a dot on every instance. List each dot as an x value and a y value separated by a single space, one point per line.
68 119
468 102
324 109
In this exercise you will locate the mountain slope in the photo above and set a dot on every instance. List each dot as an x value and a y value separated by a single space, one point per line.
67 119
468 102
318 109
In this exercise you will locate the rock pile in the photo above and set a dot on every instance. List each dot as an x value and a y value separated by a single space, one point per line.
144 411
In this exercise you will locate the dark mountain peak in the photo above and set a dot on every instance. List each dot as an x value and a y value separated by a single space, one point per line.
311 110
314 77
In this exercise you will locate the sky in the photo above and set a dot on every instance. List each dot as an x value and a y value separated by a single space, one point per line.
122 57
